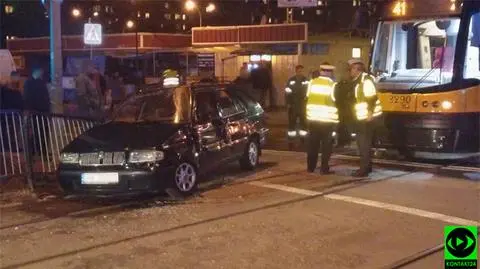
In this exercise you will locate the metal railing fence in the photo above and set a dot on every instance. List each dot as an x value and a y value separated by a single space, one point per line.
31 143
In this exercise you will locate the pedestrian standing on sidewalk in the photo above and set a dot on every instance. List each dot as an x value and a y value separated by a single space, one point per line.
295 94
89 97
37 101
36 95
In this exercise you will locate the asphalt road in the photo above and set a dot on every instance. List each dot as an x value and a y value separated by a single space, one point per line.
277 217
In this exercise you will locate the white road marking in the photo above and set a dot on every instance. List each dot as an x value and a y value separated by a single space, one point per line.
285 188
371 203
10 205
404 209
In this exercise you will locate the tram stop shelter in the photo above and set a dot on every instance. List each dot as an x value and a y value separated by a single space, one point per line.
276 45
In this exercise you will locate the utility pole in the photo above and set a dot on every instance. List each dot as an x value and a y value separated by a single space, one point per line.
136 41
137 25
289 15
200 16
3 43
56 61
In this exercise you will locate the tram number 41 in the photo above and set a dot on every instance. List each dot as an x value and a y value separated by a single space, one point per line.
395 99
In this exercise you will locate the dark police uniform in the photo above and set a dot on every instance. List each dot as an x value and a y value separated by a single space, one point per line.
345 102
296 92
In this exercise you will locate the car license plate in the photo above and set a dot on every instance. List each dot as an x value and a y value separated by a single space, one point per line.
99 178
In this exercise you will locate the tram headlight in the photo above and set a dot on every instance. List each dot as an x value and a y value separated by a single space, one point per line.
447 105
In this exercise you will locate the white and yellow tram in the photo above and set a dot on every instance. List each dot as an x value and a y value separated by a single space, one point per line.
426 58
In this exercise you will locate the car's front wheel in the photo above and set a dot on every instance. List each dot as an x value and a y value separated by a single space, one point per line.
185 178
249 160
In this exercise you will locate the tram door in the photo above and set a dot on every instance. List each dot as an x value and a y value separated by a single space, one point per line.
260 69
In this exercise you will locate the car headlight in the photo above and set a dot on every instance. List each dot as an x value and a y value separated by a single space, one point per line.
145 156
70 158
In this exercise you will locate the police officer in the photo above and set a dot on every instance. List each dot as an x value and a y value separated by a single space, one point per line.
170 78
322 117
345 101
367 108
295 93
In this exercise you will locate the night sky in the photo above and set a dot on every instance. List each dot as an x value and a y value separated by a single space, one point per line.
30 18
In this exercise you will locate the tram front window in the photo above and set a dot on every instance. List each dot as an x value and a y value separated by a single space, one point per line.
417 53
472 60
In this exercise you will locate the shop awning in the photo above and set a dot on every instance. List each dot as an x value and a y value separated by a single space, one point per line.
250 34
110 42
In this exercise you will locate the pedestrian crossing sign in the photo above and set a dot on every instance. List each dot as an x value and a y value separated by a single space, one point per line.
92 34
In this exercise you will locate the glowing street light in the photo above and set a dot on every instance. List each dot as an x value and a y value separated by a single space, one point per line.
95 14
210 8
75 12
190 5
453 6
130 24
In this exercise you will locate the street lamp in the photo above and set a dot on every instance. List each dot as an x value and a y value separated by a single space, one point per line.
210 8
75 12
95 14
130 24
191 5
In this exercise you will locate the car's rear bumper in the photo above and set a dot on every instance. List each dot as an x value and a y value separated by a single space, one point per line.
130 183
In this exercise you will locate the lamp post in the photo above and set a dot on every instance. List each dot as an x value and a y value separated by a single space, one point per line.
3 42
136 42
56 65
130 24
191 5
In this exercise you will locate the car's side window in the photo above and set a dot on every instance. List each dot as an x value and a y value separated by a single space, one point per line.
226 105
247 101
206 107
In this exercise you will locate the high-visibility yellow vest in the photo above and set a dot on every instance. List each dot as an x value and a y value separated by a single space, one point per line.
321 101
170 78
365 90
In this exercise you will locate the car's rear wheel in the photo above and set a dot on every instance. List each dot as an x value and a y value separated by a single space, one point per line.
185 178
249 160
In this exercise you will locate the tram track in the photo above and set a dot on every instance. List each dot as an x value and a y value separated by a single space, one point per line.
326 192
416 257
157 200
408 260
231 181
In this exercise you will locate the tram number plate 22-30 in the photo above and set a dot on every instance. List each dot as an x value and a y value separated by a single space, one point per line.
402 100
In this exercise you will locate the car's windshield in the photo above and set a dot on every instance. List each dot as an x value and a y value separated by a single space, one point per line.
172 106
417 53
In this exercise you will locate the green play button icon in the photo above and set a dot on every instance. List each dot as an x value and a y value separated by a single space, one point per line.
459 242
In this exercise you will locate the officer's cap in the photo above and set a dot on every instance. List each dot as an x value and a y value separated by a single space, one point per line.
354 61
327 67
